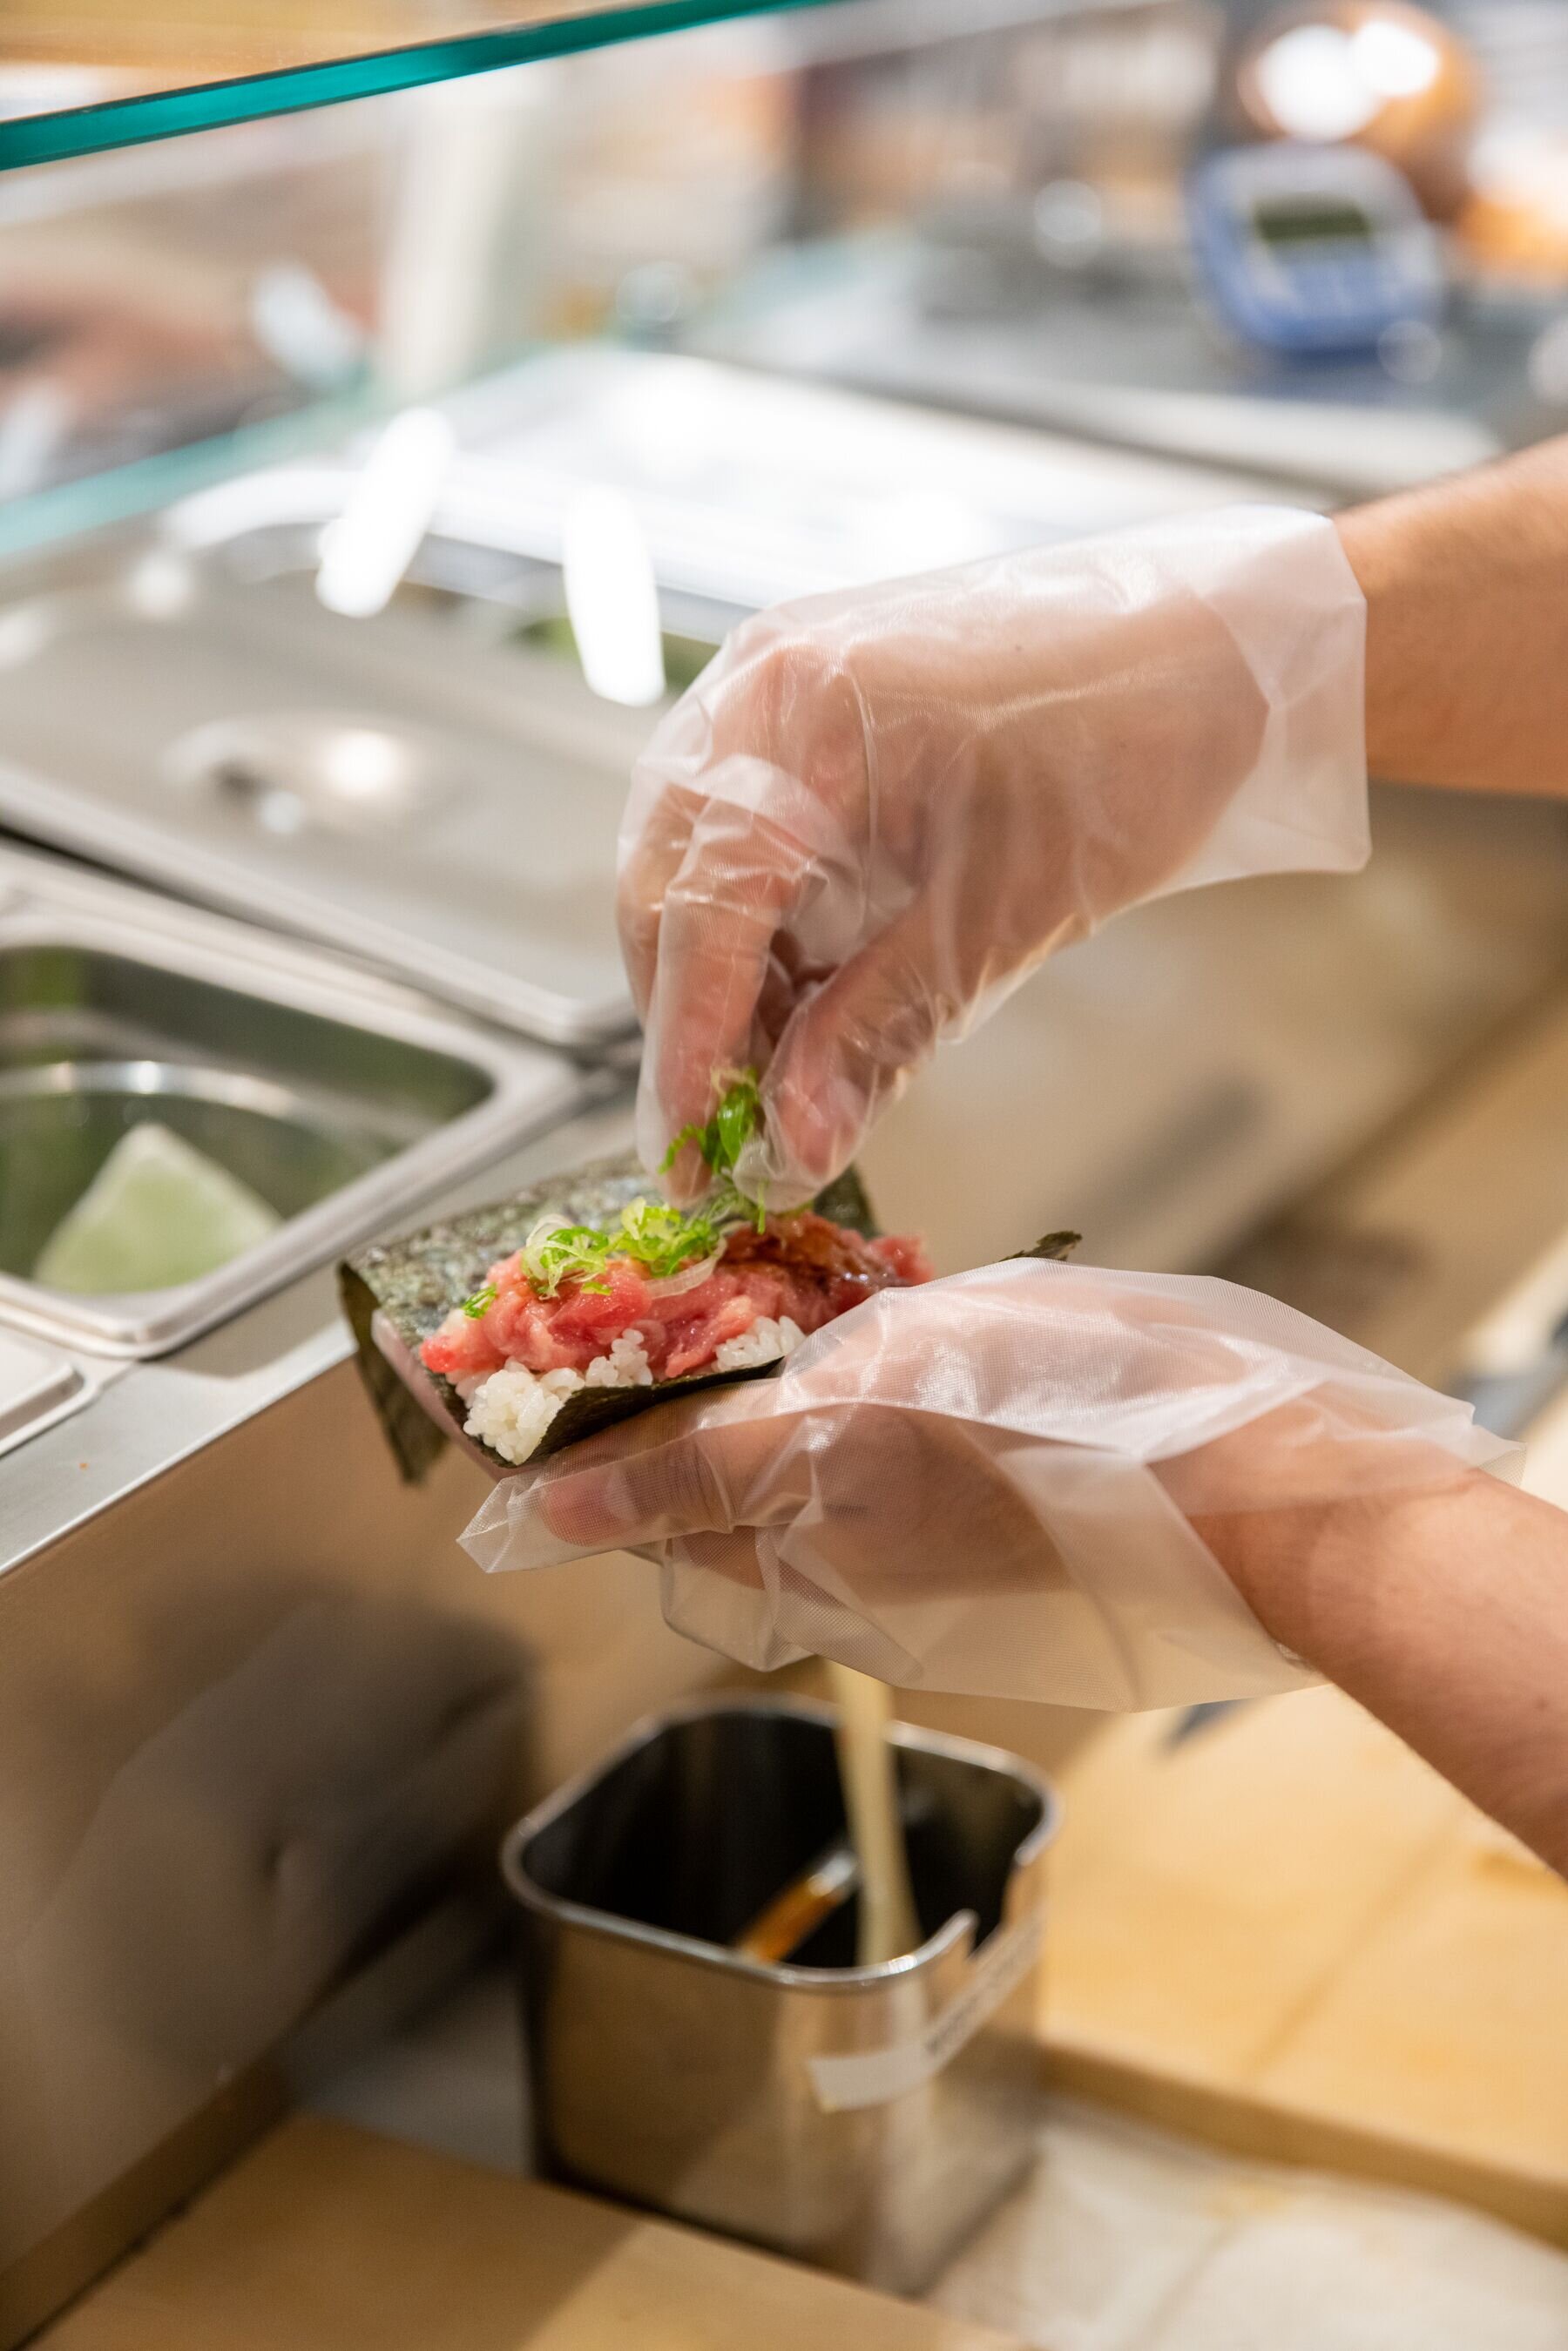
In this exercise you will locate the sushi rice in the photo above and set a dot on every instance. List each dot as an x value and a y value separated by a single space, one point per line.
510 1410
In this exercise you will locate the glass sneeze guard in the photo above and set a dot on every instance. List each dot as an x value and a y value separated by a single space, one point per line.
104 77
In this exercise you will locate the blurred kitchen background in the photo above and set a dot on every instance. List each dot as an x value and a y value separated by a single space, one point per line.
1015 220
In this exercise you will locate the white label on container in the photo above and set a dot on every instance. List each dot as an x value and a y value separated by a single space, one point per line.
870 2077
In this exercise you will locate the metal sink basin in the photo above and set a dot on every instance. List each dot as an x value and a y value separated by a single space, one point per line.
62 1122
337 1101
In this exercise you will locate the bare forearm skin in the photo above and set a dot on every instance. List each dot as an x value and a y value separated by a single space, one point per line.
1445 1614
1467 627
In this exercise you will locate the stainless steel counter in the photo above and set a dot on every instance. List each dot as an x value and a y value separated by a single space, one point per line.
179 994
146 1418
261 1715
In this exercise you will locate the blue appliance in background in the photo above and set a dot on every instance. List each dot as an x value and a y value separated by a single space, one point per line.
1303 250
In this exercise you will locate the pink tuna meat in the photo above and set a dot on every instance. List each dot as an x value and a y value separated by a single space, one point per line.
801 1266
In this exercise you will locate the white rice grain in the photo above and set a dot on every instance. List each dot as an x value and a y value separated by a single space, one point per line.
511 1410
765 1342
625 1366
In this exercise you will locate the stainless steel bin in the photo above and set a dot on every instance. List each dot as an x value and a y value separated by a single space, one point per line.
860 2118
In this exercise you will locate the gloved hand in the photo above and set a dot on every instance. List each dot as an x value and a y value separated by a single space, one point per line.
989 1484
876 811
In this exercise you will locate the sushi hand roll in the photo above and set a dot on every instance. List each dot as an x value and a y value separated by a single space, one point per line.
646 1302
519 1328
526 1325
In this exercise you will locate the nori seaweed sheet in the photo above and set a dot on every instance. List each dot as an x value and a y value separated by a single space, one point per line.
417 1281
1050 1244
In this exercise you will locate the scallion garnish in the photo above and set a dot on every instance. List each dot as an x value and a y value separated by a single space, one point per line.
720 1143
662 1240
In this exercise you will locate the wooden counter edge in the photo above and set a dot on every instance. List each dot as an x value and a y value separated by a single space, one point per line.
1249 2123
326 2237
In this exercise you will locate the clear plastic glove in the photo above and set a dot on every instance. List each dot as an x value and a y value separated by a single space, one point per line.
988 1485
876 811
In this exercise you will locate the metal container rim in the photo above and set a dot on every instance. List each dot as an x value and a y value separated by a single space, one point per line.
825 1981
527 1087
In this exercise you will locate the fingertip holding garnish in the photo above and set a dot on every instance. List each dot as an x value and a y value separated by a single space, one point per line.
662 1239
719 1143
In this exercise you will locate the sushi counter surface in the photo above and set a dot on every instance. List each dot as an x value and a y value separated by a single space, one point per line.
1272 1931
1273 1928
1370 1994
328 2239
1282 1932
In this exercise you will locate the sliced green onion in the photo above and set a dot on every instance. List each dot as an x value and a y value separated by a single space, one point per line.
660 1239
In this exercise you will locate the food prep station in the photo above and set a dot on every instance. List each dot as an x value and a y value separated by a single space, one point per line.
329 899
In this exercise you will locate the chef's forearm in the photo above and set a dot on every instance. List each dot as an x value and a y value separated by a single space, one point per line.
1467 630
1446 1615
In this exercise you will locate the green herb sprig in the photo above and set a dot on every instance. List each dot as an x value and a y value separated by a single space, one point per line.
662 1239
720 1143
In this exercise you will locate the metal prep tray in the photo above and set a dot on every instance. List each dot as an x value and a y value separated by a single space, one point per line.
345 1101
431 799
427 789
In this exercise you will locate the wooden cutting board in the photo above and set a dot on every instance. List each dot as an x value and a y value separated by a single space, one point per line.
1288 1934
328 2238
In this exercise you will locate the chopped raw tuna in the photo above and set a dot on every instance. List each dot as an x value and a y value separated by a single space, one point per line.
801 1269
